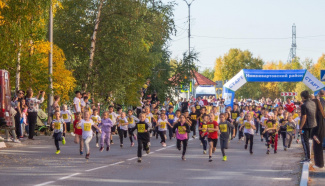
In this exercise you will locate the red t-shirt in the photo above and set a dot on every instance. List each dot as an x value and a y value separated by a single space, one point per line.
290 107
214 134
77 130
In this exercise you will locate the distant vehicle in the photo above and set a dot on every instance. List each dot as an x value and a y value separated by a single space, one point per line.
207 91
5 99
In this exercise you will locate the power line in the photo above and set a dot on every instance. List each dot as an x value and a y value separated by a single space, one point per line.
257 38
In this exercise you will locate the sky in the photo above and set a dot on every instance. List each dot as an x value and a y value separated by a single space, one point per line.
264 27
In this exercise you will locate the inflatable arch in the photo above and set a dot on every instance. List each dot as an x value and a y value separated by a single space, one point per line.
249 75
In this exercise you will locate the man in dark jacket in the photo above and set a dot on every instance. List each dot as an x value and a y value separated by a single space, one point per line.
307 122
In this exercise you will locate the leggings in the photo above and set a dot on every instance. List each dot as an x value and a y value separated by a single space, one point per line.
105 137
162 136
289 139
170 132
68 126
249 137
122 133
193 128
32 119
272 139
257 125
17 125
204 142
86 142
178 144
57 138
284 136
142 144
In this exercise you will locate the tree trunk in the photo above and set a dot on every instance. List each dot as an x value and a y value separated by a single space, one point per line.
93 43
18 68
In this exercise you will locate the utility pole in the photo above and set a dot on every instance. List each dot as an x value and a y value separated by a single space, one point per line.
292 53
189 25
50 95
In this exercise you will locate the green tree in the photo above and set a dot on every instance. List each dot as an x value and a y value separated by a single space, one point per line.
209 73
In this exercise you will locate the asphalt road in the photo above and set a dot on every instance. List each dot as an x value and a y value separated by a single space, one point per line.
38 164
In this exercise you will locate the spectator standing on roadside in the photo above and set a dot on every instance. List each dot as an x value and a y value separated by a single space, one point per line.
307 122
33 104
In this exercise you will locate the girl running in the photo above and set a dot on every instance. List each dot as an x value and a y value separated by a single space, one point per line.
122 123
96 119
162 128
181 129
290 127
131 120
78 132
106 126
59 127
240 122
203 132
249 132
226 128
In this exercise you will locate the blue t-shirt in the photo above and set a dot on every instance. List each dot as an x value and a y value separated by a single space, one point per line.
170 117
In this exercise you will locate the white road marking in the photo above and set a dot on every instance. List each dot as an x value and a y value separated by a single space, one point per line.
46 183
160 149
96 168
66 177
132 159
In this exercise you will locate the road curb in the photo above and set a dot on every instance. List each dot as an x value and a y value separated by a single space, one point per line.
2 145
304 174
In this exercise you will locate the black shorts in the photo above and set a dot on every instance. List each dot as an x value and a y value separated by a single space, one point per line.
113 129
215 141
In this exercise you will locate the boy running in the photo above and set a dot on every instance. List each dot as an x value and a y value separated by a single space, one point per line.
123 127
59 127
78 132
162 128
131 120
249 132
226 128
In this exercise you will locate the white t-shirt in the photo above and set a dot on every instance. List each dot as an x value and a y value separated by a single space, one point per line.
131 120
240 120
201 103
149 118
86 128
297 121
113 117
66 116
163 126
263 121
123 120
248 128
58 125
77 103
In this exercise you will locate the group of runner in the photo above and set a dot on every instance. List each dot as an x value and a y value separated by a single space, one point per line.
244 119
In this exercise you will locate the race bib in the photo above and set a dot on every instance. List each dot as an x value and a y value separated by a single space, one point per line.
87 127
149 118
57 125
110 117
122 121
141 128
156 117
234 115
94 119
65 116
265 122
241 121
216 118
204 128
211 126
248 125
289 129
162 125
198 107
269 124
223 128
181 130
130 120
265 106
193 117
170 116
257 114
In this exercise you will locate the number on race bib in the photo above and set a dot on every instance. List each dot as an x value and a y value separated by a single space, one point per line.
141 128
211 126
170 116
247 125
223 128
94 119
65 116
57 125
289 129
162 125
193 117
87 127
181 130
204 128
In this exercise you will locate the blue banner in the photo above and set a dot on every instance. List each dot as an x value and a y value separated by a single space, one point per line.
274 75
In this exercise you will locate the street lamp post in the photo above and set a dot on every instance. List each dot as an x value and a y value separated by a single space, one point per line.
50 95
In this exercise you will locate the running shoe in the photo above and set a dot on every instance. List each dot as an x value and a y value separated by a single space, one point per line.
164 145
261 139
97 145
63 141
112 142
268 152
139 160
132 144
121 145
224 158
183 158
57 152
210 159
101 149
275 152
213 150
107 148
285 148
87 156
204 152
149 144
135 137
81 153
148 151
251 152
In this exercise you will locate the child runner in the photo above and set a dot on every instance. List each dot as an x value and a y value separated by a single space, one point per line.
234 115
131 120
290 127
203 132
271 133
67 116
162 128
96 119
59 127
155 120
212 127
181 129
170 116
193 116
263 121
122 124
78 132
240 121
106 126
226 128
283 128
249 132
87 133
112 115
143 135
297 122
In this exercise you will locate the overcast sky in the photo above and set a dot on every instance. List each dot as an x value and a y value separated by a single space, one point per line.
264 27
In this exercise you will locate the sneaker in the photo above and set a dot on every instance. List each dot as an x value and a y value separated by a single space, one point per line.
135 137
101 149
305 161
72 134
275 152
16 141
121 145
150 135
261 139
57 152
213 150
183 158
210 159
97 145
285 148
193 137
87 156
204 152
149 144
251 152
148 151
107 148
201 144
81 153
224 158
132 144
245 147
164 145
112 142
63 141
139 160
268 152
297 141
